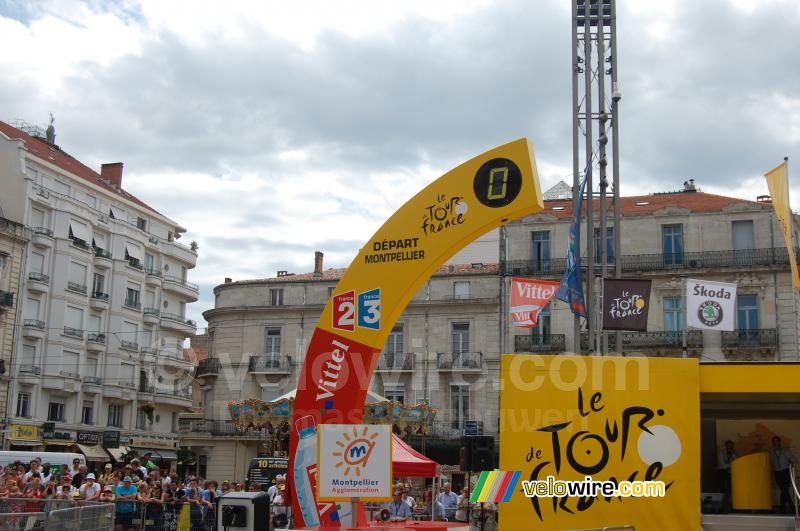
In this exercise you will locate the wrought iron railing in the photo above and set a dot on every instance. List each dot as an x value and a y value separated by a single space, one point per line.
540 343
178 318
207 367
133 304
39 277
94 380
152 311
78 288
80 244
185 392
27 368
215 427
650 340
459 360
743 338
136 264
69 374
43 231
772 256
102 253
153 272
396 361
269 363
129 345
100 296
148 350
144 387
96 337
73 332
177 280
33 323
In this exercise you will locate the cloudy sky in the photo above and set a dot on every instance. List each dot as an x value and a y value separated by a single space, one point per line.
272 129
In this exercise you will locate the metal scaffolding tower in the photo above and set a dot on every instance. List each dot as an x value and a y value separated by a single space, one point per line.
595 102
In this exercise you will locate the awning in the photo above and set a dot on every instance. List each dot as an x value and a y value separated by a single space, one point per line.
57 442
79 231
133 251
117 453
24 443
167 455
93 453
117 213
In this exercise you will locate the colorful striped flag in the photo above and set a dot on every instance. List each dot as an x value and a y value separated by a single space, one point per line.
571 290
495 486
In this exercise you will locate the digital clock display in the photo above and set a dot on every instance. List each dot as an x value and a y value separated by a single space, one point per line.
497 183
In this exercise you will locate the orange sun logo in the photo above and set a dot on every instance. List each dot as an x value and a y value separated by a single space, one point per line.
355 450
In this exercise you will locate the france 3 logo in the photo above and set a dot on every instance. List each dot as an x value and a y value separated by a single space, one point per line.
365 310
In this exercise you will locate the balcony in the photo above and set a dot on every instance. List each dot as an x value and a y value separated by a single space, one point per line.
33 328
129 345
30 369
269 364
92 380
459 362
99 301
81 244
92 384
544 343
146 388
207 367
216 428
749 344
395 362
133 263
182 287
6 300
76 288
153 277
70 374
151 316
102 259
95 342
182 252
38 282
174 397
76 333
177 323
42 237
667 343
148 355
776 257
132 304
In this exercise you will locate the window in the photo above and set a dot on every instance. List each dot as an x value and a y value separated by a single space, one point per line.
129 334
32 308
98 284
132 296
141 420
747 321
208 399
61 188
94 323
673 319
90 200
73 321
69 363
141 223
276 297
37 263
743 241
182 309
3 261
395 353
55 412
672 240
272 343
540 251
609 245
459 405
541 333
149 262
91 367
460 338
396 393
330 291
77 277
461 289
115 415
126 373
38 219
24 405
87 414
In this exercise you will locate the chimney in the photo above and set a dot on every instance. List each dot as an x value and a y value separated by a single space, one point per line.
318 263
112 172
228 280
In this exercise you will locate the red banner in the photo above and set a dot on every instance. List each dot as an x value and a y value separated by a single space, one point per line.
528 297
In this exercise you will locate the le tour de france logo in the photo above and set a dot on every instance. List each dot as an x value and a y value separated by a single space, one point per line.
355 450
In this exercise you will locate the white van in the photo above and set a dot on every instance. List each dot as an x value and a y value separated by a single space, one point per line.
54 458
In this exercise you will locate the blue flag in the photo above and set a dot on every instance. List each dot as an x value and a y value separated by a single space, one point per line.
571 289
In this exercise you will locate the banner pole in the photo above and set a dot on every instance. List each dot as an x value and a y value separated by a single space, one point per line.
684 342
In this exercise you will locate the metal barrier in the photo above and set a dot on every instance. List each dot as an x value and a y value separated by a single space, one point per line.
27 514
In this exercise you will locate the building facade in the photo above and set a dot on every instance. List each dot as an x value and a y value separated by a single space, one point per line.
97 361
446 346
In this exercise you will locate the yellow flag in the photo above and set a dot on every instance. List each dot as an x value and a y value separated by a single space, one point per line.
778 183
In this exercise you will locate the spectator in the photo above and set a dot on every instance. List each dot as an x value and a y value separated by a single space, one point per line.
125 509
408 499
138 469
279 511
462 506
108 474
76 465
78 477
450 501
107 494
397 508
439 514
148 464
90 490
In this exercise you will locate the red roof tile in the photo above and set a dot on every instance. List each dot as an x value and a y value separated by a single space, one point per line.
647 204
54 155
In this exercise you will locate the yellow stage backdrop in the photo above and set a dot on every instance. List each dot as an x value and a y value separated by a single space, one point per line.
610 418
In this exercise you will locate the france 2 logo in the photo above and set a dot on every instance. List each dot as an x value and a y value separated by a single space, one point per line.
369 310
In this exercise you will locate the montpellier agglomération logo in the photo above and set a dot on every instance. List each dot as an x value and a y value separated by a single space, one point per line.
355 450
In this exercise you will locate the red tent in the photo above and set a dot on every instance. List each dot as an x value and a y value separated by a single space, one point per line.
407 462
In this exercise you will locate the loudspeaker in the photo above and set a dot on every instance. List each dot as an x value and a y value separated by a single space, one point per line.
478 453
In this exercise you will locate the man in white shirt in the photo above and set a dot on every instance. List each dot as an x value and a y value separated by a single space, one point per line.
273 489
90 490
782 459
450 501
26 477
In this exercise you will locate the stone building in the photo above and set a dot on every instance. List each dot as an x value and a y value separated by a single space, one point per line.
102 302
